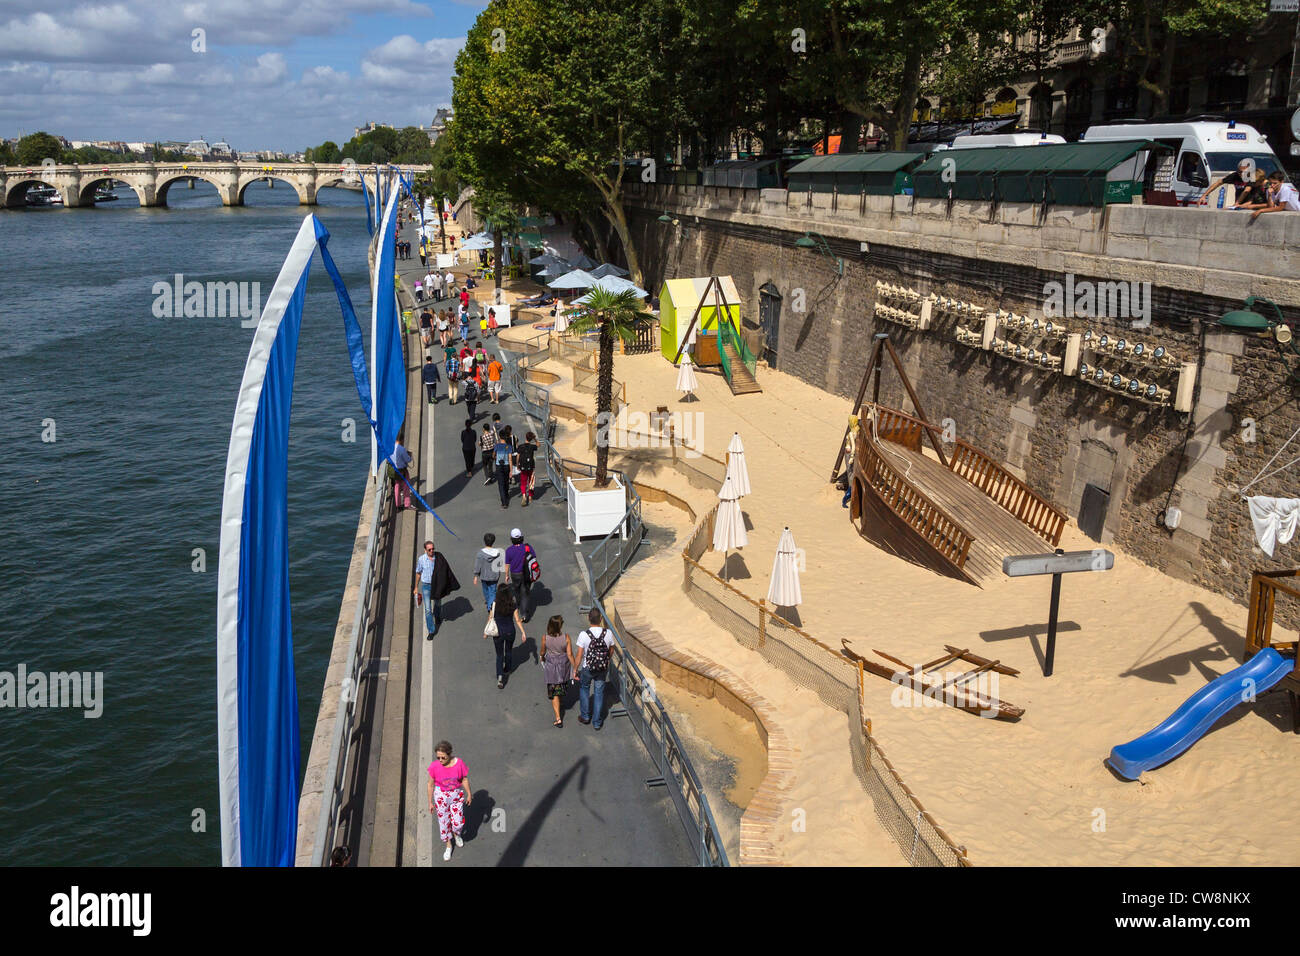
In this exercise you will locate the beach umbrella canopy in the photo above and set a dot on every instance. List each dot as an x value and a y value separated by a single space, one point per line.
475 243
736 466
577 279
686 381
729 527
613 284
583 261
784 589
608 269
545 259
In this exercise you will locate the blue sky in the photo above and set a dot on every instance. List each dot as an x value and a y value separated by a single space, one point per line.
263 74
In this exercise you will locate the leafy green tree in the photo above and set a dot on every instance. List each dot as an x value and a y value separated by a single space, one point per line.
614 314
7 156
549 107
326 152
1147 34
35 147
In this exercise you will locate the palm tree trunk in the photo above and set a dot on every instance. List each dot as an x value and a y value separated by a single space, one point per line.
604 402
442 226
496 249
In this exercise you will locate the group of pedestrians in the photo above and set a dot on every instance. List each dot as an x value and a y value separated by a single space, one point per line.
403 249
504 457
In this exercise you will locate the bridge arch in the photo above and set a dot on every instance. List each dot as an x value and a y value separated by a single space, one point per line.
166 180
16 187
306 194
90 184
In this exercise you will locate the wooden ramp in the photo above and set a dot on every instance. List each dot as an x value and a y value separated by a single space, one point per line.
959 515
740 380
995 532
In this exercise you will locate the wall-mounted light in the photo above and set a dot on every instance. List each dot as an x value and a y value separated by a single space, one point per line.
1246 319
666 219
816 241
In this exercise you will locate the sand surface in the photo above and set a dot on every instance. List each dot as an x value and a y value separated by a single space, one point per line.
1133 645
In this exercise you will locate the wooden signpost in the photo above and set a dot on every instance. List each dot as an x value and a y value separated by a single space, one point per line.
1022 565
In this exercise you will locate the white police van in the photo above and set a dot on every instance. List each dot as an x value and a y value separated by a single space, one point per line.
1204 150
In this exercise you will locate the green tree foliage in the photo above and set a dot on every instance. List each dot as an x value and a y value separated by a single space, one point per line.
326 152
35 147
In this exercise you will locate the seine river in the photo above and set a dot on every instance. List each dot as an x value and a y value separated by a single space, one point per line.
99 527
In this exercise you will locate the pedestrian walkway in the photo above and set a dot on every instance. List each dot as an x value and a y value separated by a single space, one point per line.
542 795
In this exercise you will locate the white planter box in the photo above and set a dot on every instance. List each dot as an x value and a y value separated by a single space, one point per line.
595 511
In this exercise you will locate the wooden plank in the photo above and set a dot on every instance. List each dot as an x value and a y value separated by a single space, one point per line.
976 659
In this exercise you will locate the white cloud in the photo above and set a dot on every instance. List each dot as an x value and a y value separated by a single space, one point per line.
270 69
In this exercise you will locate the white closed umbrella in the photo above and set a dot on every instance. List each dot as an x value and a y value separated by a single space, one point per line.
729 522
736 465
686 381
561 322
784 590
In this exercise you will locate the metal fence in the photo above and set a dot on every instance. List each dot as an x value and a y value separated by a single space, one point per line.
603 564
637 700
825 671
339 772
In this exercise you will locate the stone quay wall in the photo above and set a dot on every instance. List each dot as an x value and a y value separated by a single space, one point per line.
1056 432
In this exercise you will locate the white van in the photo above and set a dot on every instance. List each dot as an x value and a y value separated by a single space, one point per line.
1204 151
978 141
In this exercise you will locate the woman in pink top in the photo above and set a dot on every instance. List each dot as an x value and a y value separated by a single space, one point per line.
449 795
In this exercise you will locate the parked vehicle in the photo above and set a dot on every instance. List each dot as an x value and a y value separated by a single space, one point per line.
1205 149
979 141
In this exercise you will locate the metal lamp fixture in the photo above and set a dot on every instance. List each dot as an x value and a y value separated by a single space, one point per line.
816 241
665 218
1246 319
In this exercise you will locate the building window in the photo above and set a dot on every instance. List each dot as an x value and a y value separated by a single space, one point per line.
1278 82
1078 107
1121 97
1004 104
1180 97
1040 107
1227 83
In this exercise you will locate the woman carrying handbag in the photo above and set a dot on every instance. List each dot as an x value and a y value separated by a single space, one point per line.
502 624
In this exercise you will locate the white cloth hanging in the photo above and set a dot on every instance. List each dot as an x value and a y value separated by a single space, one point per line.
1275 520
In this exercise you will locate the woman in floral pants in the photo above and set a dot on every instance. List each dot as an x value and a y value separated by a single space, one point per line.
449 795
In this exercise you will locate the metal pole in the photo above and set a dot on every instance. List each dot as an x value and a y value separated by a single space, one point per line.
1051 622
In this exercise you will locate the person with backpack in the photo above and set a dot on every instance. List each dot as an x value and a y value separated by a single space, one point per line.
521 561
526 462
469 447
502 625
453 375
502 452
593 665
471 398
400 468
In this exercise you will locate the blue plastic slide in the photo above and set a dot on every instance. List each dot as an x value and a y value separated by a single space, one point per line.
1198 714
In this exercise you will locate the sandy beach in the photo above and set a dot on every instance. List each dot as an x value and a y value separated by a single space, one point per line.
1133 644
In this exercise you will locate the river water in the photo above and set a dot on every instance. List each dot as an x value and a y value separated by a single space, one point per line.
98 528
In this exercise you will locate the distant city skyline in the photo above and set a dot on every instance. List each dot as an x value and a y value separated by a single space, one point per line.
284 75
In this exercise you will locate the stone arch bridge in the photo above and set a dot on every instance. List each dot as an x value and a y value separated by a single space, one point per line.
151 181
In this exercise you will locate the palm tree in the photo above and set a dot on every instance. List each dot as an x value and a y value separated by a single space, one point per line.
614 314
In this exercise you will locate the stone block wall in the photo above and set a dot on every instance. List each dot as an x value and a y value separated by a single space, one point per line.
1055 432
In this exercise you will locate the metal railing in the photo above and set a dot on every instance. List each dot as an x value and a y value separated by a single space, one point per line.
337 773
603 564
638 702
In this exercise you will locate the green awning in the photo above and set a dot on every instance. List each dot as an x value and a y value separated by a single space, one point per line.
1071 174
857 163
879 174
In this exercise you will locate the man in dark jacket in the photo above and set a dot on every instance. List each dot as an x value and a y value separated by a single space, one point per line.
434 580
469 446
431 378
